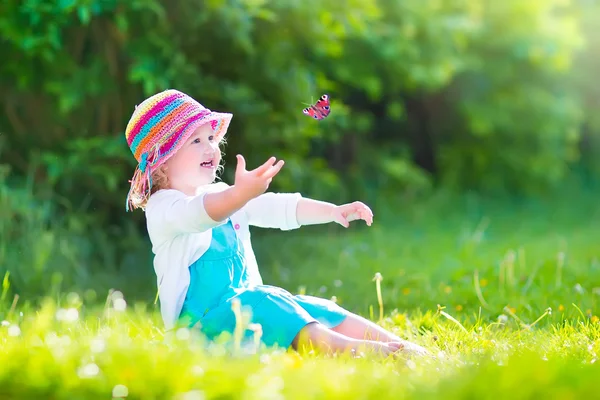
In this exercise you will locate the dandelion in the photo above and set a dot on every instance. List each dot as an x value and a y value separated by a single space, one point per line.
459 308
116 295
406 291
191 395
120 305
236 307
440 309
97 345
14 330
378 278
483 282
67 315
561 308
478 286
257 329
448 290
61 314
120 391
72 315
595 319
88 371
547 312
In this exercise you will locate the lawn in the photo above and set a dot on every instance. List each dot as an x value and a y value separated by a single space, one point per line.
503 293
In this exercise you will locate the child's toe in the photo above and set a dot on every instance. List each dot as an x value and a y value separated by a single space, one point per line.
409 348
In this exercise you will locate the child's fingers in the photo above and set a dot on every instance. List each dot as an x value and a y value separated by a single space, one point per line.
269 163
272 171
241 163
353 216
362 206
367 216
340 219
359 211
364 212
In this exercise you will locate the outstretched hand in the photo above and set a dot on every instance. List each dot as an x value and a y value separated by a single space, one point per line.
347 213
256 182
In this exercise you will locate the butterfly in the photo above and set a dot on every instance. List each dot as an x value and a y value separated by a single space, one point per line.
320 109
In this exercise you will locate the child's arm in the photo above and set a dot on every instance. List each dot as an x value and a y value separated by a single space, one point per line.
171 212
311 212
248 185
290 211
273 210
222 205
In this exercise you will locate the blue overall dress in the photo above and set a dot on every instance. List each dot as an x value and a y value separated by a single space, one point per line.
221 275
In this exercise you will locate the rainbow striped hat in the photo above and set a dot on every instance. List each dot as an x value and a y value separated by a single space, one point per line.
156 130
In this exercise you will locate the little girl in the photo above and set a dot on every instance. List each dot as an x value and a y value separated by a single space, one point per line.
201 240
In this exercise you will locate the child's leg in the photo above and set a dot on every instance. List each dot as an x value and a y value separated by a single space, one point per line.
357 327
318 336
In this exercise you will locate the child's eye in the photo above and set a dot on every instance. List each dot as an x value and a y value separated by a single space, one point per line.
197 140
210 138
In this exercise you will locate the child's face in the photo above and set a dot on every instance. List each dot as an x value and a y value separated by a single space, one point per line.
195 163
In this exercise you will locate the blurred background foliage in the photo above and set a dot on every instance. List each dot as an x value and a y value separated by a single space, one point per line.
478 96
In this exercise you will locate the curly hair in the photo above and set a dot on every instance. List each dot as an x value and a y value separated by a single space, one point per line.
159 181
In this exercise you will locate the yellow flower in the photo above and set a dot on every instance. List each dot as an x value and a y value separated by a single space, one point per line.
406 291
483 282
293 360
595 319
447 289
459 307
399 319
561 308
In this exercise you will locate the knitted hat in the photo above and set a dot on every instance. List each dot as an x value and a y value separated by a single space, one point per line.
159 126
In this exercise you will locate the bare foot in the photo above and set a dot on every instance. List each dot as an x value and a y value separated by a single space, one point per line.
383 349
408 348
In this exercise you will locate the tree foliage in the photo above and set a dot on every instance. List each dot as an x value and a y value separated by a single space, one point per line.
477 94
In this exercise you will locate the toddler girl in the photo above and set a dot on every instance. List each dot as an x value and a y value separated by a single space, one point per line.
200 235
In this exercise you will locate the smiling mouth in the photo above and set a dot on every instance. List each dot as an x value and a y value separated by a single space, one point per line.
207 164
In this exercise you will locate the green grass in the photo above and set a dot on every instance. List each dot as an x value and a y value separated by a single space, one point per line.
470 280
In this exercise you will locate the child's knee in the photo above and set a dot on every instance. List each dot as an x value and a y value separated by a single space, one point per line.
304 336
316 335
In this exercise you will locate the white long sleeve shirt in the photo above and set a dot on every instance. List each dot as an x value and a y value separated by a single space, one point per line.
180 231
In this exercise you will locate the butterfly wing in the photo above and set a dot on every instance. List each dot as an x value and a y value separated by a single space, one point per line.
322 106
320 109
